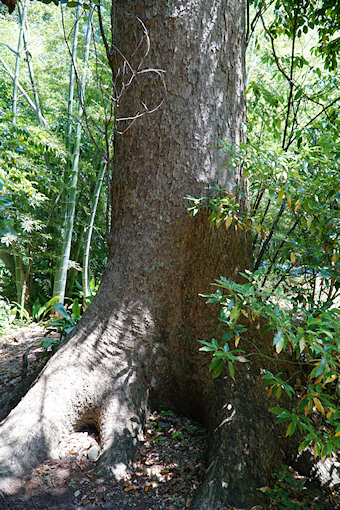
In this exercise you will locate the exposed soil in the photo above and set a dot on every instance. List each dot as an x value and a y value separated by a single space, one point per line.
20 354
166 472
168 468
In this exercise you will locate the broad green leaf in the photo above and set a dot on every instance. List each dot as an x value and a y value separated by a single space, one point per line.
228 336
76 310
61 309
69 329
235 313
45 308
218 368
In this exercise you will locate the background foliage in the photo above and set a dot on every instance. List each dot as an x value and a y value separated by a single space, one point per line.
292 162
33 158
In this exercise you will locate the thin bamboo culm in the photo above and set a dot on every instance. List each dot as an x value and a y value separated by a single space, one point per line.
69 212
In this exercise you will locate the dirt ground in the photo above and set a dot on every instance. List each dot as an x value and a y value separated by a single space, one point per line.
168 468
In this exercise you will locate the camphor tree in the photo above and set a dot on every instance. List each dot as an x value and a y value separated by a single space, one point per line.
178 84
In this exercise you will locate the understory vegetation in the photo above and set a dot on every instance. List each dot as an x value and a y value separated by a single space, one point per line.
52 169
292 162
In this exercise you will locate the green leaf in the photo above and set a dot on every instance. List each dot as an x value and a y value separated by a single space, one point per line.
231 369
319 368
76 310
269 376
304 445
298 94
22 310
235 313
281 195
59 307
46 307
48 342
214 343
207 349
276 410
218 367
279 342
208 346
290 429
228 336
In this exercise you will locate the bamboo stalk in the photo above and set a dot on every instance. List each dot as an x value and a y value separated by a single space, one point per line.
76 256
64 194
71 203
18 283
23 92
89 228
18 59
17 260
41 119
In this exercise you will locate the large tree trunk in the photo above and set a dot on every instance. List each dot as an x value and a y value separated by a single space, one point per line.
138 342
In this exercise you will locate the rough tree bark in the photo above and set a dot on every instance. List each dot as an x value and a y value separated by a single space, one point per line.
137 343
